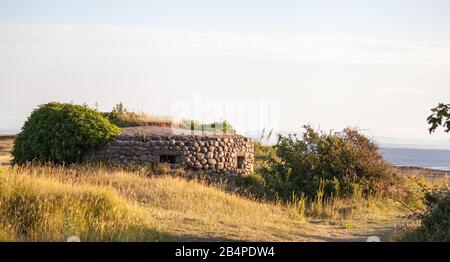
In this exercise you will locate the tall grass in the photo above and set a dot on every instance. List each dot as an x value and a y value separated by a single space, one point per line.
297 206
38 208
131 119
335 208
50 203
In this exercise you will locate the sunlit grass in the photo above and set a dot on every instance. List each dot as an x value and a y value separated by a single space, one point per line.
39 208
99 204
51 203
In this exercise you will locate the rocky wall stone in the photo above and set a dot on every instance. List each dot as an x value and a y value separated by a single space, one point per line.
231 154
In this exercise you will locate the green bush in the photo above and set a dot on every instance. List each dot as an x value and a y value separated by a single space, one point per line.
60 133
345 163
263 153
435 220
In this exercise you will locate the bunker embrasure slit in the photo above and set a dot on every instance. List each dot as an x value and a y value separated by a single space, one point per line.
240 162
168 159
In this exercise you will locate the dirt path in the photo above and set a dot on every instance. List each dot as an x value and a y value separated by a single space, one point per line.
354 231
322 232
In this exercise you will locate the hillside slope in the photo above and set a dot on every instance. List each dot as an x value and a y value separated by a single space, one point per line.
52 203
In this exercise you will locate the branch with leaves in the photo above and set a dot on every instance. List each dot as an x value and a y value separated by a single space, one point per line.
440 117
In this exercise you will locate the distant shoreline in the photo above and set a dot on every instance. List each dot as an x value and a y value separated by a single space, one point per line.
427 172
401 147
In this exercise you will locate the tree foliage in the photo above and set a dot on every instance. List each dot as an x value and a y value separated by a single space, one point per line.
440 117
342 163
60 133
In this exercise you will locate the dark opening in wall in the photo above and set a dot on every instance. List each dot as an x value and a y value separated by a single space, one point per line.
169 159
240 162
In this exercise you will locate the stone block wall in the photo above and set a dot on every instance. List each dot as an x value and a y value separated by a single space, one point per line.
226 154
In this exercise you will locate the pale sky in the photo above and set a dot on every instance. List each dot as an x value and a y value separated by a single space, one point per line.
376 65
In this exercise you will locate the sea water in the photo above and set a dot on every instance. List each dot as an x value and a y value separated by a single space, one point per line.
427 158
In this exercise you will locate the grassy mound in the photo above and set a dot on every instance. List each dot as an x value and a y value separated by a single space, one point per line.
52 203
34 208
98 204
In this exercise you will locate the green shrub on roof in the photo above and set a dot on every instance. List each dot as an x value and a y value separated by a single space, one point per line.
60 133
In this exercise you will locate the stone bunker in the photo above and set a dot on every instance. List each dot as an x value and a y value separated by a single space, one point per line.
210 151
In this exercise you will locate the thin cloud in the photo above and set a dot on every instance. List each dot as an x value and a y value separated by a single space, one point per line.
335 81
162 42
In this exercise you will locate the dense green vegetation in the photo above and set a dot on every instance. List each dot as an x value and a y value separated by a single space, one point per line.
434 220
60 133
342 164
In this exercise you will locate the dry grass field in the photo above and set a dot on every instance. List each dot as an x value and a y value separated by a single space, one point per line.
50 203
